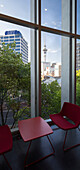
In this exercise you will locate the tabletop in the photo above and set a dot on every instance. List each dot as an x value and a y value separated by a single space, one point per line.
34 128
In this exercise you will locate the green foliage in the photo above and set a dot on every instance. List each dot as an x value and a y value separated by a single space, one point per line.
15 87
14 80
23 113
78 87
51 99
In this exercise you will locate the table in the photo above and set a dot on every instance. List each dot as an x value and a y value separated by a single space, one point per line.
34 128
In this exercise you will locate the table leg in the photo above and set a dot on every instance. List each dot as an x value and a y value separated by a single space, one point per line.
51 145
27 153
38 159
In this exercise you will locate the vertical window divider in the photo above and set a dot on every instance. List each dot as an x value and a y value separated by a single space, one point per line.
35 59
70 60
75 48
73 73
39 10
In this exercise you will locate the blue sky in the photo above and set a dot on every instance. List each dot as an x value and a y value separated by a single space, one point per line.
51 16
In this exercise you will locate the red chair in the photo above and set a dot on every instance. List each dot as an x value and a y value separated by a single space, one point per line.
5 141
70 111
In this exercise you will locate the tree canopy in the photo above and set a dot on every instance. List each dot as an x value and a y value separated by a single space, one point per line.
50 99
15 88
78 87
15 81
14 78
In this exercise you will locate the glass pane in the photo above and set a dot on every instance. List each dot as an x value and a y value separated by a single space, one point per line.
50 74
15 74
20 9
56 14
78 73
78 16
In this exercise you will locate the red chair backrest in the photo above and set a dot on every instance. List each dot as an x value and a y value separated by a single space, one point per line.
72 111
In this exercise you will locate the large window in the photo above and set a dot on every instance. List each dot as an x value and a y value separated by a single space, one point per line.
50 74
78 56
47 32
78 72
51 13
15 74
18 9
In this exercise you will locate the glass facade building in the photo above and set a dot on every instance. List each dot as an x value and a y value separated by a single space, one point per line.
21 44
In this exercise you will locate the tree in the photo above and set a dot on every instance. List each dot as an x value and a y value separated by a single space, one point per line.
15 87
14 79
78 87
50 99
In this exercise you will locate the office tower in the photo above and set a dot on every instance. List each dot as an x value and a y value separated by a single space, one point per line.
21 44
78 56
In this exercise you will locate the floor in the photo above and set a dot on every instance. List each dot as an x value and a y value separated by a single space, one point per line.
69 160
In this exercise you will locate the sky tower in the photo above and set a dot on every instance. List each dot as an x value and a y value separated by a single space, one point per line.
44 51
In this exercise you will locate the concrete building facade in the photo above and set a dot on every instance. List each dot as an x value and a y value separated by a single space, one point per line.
21 44
78 56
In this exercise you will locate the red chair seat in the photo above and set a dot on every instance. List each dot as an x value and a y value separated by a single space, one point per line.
72 112
62 122
5 139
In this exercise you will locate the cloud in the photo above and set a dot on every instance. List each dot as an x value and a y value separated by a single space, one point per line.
52 51
59 23
45 23
56 24
55 27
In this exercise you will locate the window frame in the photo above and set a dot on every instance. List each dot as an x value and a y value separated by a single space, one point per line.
38 29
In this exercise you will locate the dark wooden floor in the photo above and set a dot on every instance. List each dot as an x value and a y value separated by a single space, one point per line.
69 160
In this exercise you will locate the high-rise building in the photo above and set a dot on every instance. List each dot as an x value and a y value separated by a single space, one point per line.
21 44
78 56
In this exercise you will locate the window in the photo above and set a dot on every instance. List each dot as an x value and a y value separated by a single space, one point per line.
17 39
18 9
15 70
5 37
50 74
51 13
11 36
52 28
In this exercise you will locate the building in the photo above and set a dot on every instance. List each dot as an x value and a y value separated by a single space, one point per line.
21 44
57 70
78 56
45 69
48 69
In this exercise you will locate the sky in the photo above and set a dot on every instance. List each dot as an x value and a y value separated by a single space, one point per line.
50 16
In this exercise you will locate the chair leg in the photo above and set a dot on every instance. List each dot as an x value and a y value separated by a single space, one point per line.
65 140
66 149
78 128
7 161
